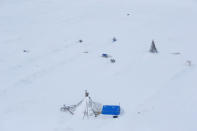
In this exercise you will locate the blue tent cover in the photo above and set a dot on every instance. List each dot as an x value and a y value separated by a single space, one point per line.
111 110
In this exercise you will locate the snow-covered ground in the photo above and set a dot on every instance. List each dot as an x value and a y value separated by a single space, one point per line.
42 64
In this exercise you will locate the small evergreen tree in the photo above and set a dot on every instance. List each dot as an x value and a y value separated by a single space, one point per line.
153 48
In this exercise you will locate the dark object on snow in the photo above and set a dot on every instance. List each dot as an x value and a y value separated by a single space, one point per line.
115 116
86 93
114 39
105 55
25 51
176 53
80 41
85 52
112 60
153 48
128 14
111 110
189 63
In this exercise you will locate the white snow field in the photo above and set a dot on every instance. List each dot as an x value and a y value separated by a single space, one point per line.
43 66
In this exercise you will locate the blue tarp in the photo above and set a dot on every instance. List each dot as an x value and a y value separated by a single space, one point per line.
111 110
105 55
